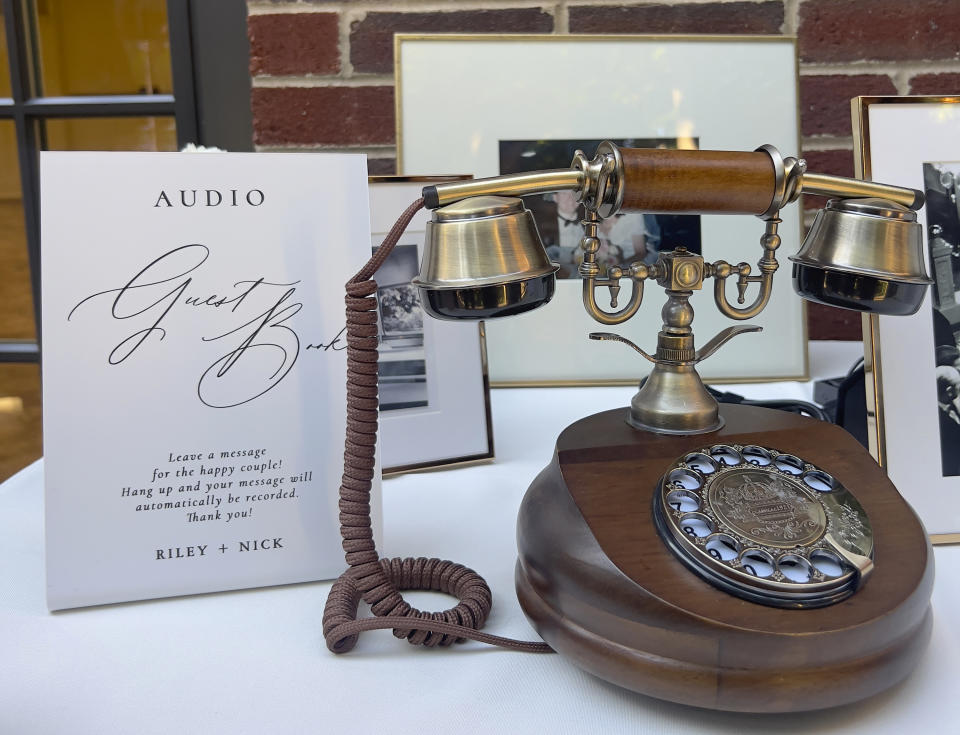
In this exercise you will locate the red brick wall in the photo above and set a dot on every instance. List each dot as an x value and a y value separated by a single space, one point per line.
311 57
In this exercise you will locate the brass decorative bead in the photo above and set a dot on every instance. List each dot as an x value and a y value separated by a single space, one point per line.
770 242
687 275
677 313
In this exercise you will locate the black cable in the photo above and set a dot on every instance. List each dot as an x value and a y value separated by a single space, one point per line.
804 408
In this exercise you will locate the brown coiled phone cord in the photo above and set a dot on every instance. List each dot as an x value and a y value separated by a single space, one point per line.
378 581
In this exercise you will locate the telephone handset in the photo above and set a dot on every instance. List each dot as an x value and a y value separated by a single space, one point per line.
764 525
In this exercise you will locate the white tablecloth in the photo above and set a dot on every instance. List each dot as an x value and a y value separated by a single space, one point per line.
254 661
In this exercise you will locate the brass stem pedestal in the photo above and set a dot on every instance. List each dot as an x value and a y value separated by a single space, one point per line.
673 398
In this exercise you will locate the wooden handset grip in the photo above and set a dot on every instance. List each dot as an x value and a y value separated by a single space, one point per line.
710 182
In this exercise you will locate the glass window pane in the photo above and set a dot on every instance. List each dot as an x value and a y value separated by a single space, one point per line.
16 298
103 47
111 134
4 62
20 417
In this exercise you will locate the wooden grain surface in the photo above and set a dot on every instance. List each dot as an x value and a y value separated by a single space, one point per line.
601 586
678 181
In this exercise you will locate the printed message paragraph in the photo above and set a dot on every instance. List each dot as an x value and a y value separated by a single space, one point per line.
217 486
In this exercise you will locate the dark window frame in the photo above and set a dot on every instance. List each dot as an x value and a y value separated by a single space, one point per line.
225 122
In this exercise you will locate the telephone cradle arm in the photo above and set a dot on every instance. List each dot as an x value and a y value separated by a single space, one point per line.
721 270
590 273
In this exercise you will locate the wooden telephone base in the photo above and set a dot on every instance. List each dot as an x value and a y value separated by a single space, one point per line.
602 588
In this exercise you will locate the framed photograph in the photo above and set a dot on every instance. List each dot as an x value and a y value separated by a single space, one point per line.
434 390
913 363
521 103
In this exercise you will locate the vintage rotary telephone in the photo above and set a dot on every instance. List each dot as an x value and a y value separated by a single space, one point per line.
729 557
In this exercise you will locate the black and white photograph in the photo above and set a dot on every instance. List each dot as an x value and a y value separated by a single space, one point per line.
432 373
940 181
625 238
403 367
911 365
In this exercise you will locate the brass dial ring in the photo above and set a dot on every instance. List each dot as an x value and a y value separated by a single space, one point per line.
764 525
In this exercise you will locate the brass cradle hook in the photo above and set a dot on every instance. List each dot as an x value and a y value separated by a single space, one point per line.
590 273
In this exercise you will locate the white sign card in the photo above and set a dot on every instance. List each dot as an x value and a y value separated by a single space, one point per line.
194 366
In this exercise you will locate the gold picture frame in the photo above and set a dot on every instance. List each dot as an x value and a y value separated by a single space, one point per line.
894 139
504 75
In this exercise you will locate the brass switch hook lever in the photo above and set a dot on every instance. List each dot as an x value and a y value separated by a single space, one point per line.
700 355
